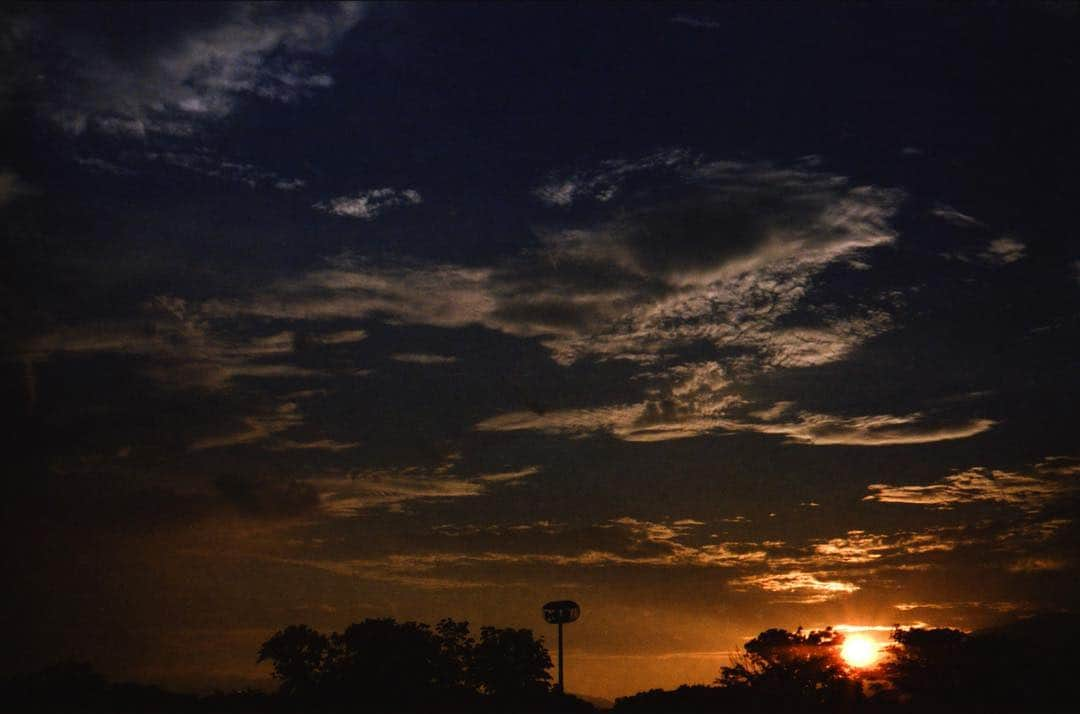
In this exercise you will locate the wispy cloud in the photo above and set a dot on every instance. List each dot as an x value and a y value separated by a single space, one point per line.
369 204
356 491
1031 492
205 162
870 430
798 586
186 349
995 605
342 337
672 417
317 445
701 23
952 216
183 74
604 183
422 358
689 404
255 428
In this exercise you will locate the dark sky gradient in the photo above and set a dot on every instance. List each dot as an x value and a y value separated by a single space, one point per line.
709 317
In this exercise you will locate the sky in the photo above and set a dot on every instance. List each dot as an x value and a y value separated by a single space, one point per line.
712 318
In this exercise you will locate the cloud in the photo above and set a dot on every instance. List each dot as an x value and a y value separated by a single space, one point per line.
347 288
861 547
603 183
185 69
255 429
688 405
1002 251
803 587
700 23
343 337
1051 481
872 430
99 164
317 445
621 541
505 476
996 606
954 217
727 264
369 204
289 184
1038 565
677 416
356 491
187 349
205 162
420 358
730 266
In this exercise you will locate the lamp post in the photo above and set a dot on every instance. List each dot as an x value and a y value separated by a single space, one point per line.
558 612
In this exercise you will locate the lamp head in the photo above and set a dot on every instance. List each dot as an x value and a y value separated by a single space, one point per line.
559 611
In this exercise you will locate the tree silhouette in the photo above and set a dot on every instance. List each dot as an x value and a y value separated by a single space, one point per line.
930 666
383 658
456 647
385 665
299 655
793 671
509 662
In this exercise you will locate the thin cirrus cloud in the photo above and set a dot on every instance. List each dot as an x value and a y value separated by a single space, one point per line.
183 347
205 162
349 494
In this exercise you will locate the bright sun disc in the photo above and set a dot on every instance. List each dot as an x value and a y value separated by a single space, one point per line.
859 651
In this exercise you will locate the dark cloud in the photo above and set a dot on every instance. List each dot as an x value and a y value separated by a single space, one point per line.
118 70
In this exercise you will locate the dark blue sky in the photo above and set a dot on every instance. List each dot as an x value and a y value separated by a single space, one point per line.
318 312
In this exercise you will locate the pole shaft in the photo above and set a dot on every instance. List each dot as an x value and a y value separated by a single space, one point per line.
561 690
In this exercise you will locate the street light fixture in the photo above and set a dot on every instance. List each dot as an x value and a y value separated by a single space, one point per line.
557 612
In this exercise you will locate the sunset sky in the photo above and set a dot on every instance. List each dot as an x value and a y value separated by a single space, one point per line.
711 318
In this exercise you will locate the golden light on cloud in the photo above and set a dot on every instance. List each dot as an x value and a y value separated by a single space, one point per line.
860 651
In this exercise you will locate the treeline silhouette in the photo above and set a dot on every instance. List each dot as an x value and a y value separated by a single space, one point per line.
381 665
1026 667
378 665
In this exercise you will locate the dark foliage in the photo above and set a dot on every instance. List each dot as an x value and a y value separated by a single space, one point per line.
1027 667
380 665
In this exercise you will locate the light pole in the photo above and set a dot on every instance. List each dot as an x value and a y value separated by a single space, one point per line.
558 612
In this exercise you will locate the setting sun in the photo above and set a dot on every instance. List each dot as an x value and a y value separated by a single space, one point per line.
859 651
